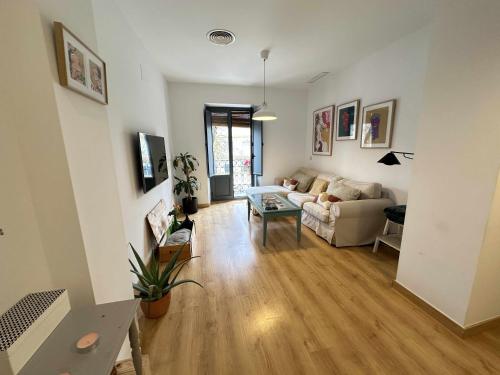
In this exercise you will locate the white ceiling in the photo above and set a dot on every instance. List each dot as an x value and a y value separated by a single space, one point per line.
305 37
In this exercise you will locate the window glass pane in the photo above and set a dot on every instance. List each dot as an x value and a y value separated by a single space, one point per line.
242 178
220 133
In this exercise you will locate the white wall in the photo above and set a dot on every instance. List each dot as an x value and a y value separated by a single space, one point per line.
70 197
283 138
35 128
457 161
23 266
138 99
87 142
485 297
395 72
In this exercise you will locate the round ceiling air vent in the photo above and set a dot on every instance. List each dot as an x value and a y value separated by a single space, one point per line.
221 37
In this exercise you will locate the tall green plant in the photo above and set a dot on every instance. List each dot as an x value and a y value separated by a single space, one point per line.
154 284
187 163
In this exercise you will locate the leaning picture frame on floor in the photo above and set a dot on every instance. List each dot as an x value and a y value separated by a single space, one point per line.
323 124
79 68
347 121
377 123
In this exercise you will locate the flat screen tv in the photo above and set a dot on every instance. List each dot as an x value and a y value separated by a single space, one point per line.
153 160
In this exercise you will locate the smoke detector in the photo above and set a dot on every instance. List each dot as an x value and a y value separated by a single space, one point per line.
221 37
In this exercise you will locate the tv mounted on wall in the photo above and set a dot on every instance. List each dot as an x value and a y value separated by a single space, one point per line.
153 160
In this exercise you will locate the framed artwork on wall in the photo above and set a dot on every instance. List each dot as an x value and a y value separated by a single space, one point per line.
79 68
347 121
323 130
377 124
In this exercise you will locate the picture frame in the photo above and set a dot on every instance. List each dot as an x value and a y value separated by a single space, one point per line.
347 117
80 69
322 131
377 124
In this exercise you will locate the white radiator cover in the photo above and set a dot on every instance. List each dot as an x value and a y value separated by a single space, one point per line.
26 325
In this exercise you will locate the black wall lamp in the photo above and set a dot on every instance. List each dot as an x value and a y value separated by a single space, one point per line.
391 159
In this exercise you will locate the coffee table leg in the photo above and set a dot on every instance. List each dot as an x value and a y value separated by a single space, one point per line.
299 232
248 208
265 229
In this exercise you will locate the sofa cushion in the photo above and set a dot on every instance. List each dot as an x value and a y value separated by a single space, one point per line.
317 211
331 185
318 186
300 198
344 192
304 181
308 171
329 177
369 190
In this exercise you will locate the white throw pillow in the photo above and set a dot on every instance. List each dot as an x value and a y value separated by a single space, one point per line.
331 186
344 192
289 184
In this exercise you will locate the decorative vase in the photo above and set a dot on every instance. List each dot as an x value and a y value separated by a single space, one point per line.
190 206
158 308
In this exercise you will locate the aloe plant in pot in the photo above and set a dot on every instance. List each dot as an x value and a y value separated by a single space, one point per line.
187 163
155 286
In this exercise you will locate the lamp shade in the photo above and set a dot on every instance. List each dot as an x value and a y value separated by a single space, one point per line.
264 114
389 159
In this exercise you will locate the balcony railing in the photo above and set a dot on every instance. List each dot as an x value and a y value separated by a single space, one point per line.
242 178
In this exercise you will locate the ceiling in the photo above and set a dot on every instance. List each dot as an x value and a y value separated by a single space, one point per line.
305 37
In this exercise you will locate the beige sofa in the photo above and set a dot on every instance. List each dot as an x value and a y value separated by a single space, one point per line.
349 223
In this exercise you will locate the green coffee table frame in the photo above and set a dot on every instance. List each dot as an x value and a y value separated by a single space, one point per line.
255 201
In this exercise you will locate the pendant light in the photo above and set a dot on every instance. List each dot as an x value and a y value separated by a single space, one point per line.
264 113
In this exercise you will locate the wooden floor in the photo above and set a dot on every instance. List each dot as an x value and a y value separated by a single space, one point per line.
299 309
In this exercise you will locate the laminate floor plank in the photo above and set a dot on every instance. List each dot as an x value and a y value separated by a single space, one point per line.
305 308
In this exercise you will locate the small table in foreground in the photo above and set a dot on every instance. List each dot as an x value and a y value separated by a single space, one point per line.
285 208
58 354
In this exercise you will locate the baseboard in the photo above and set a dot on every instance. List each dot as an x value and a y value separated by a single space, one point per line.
485 325
431 310
456 328
203 205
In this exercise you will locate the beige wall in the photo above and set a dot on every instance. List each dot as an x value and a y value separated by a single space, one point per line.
394 72
485 296
283 138
457 162
138 102
23 266
35 121
87 143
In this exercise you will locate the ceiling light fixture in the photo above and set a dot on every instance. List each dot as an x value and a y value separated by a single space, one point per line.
264 113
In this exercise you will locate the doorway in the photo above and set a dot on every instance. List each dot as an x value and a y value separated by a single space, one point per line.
234 150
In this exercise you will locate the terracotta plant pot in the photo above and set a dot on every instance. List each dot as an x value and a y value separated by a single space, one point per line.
156 309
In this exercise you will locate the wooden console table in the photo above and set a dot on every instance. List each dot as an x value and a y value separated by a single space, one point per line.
112 321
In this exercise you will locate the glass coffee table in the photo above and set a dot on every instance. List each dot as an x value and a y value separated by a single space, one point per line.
270 205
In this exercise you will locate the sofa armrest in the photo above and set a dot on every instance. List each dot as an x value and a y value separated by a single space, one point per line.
279 181
360 208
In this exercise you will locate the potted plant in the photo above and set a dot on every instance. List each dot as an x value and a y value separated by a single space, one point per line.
187 163
174 225
155 287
